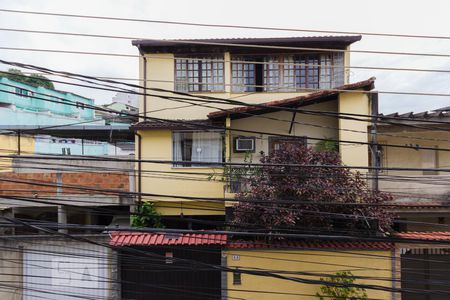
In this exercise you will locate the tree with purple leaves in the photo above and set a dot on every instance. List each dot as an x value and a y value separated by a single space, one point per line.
293 189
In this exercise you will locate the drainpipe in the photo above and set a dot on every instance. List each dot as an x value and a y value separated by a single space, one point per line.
18 143
139 188
62 210
394 273
145 81
374 141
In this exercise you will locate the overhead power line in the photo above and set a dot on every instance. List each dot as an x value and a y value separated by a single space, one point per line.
416 147
442 55
232 61
225 25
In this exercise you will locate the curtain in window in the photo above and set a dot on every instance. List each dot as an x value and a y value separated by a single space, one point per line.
177 151
338 69
206 147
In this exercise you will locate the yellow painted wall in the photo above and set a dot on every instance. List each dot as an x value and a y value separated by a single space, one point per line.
360 263
161 74
401 157
354 154
433 184
157 145
9 145
313 126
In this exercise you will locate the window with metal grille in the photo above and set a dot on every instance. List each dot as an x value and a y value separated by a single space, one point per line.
199 74
243 75
287 72
237 278
23 92
272 73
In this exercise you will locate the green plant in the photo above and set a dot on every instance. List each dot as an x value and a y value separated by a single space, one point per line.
33 80
235 175
339 288
147 216
327 145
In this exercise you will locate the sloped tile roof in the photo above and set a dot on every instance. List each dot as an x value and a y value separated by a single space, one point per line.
165 239
310 245
292 102
275 41
179 124
432 236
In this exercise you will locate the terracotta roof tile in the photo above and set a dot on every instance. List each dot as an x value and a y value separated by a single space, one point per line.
172 124
310 245
162 239
292 102
432 236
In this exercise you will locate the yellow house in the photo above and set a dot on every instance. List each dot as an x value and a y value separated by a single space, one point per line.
304 266
13 144
183 133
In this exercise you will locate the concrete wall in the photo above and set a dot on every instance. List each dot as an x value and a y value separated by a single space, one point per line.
323 263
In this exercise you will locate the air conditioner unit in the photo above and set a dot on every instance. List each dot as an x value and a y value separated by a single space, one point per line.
244 144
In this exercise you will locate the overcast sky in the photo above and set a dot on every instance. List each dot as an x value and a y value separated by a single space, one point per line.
407 17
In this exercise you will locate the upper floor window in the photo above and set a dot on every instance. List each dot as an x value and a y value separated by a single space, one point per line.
199 74
288 72
23 92
197 146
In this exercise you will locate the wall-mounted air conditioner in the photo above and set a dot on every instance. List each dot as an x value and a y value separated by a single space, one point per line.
244 144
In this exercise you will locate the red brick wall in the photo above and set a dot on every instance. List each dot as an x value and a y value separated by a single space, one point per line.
26 186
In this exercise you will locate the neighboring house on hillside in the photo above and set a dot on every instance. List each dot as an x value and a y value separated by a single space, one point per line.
425 194
129 113
196 132
126 98
36 121
421 196
27 111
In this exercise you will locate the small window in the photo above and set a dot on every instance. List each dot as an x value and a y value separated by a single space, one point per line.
197 146
169 257
199 74
80 105
430 160
22 92
287 72
66 151
243 74
237 278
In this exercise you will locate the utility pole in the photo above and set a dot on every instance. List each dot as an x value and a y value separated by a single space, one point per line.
374 141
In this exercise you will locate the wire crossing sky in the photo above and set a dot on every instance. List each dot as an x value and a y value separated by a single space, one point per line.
332 17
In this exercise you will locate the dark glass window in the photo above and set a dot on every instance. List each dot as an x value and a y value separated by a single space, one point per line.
199 74
287 72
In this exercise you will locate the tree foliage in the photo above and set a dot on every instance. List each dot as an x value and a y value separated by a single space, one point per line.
33 80
296 195
340 289
147 216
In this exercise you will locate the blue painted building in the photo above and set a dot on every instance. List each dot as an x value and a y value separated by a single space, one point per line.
38 111
23 104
